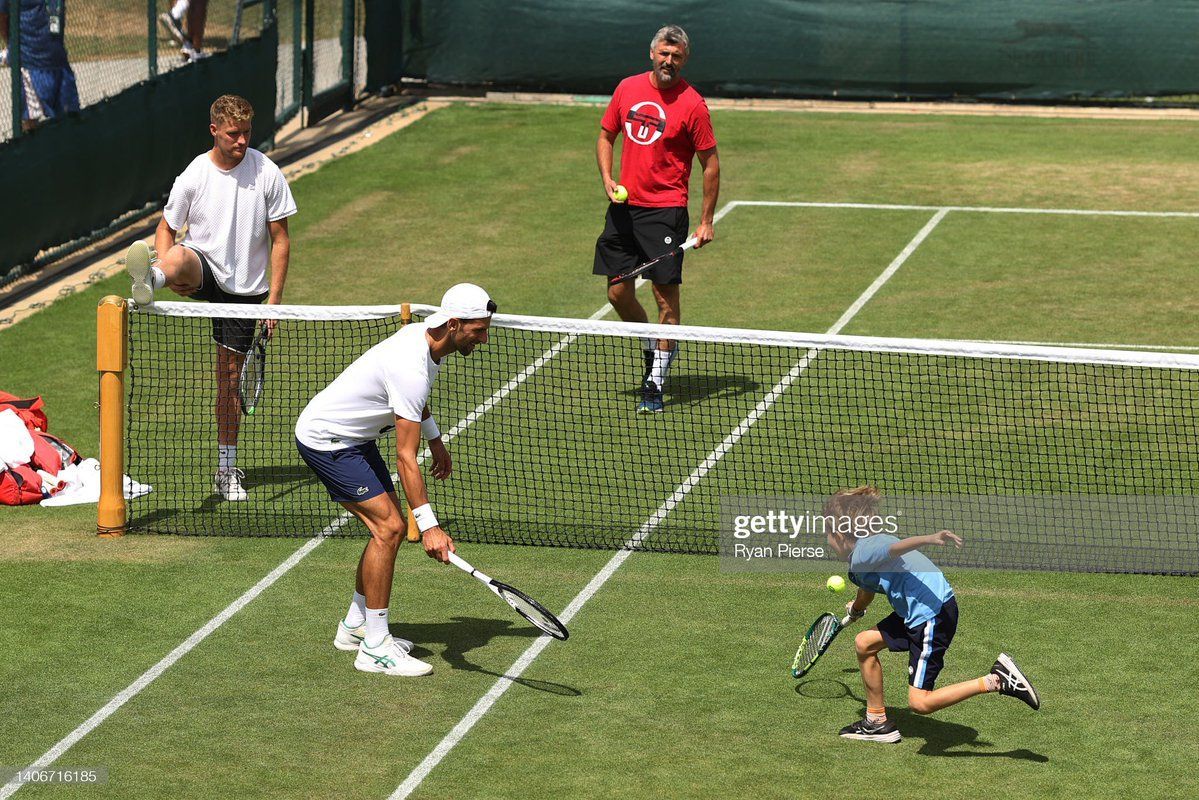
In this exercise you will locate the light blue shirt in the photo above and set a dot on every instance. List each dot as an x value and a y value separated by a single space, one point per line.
913 584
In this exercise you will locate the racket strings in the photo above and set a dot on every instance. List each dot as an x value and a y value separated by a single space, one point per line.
534 613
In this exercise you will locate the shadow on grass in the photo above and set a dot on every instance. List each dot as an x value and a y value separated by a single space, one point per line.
941 738
685 390
463 634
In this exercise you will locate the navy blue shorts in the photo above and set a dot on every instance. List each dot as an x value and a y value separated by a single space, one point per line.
232 334
351 474
49 93
926 644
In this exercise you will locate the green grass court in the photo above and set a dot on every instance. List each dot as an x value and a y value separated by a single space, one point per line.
674 682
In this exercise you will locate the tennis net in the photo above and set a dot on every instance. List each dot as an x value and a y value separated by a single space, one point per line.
548 450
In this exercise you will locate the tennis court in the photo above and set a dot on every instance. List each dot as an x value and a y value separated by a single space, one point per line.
674 681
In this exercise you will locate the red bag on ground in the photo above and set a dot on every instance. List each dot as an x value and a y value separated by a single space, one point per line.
20 486
23 485
28 409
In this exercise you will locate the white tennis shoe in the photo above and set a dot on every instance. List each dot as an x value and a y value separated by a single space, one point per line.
390 659
137 264
348 638
227 483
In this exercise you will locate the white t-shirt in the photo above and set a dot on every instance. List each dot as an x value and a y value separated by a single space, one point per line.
227 212
392 379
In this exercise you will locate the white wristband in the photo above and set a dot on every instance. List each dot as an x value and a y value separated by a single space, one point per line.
425 518
429 429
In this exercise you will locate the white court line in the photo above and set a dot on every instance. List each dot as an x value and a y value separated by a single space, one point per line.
983 209
150 675
484 704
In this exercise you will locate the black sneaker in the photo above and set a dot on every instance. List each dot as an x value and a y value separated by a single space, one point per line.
1013 682
651 399
867 731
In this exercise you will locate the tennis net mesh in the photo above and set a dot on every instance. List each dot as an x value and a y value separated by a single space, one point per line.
548 450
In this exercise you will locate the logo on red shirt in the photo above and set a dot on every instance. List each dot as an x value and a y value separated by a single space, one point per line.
645 123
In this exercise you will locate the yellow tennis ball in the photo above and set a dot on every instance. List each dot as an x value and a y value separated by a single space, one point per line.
835 583
620 194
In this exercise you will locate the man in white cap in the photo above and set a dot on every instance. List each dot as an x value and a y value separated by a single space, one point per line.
388 387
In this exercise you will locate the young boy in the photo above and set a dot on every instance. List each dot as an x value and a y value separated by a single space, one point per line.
923 621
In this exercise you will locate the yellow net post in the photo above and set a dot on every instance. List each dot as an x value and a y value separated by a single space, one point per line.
112 321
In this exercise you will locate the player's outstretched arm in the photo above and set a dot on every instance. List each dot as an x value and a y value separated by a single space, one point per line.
443 465
857 606
436 541
916 542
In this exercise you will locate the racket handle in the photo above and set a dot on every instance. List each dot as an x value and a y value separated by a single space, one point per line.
687 245
464 565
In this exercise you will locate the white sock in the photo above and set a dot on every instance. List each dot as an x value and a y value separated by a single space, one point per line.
376 626
179 10
357 613
662 359
158 278
226 456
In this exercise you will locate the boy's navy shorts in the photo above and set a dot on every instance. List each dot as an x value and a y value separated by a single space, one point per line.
926 644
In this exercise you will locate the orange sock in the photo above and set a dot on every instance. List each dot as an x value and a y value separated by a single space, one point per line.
876 714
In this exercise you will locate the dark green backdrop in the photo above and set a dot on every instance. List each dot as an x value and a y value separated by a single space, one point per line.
987 49
83 171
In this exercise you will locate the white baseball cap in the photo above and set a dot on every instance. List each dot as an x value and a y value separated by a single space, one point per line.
463 301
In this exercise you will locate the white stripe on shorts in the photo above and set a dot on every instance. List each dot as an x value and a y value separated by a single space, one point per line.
925 652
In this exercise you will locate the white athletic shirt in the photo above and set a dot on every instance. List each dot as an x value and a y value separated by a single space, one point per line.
392 379
227 212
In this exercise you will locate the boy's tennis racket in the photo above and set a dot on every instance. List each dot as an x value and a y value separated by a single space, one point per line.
819 637
253 372
648 265
524 605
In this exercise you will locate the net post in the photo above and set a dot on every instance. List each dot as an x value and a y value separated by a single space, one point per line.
405 313
112 358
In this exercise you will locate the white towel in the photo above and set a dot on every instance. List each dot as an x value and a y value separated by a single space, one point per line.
83 485
16 445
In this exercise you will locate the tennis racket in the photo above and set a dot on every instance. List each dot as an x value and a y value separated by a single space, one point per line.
816 641
521 603
648 265
253 372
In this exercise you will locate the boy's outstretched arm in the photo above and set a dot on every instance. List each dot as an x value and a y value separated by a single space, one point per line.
916 542
857 606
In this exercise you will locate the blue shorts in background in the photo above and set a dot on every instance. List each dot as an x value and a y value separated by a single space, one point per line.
49 93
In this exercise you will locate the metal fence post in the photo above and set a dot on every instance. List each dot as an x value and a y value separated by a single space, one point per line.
152 38
14 66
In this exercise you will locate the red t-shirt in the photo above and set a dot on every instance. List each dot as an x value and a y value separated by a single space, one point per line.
662 131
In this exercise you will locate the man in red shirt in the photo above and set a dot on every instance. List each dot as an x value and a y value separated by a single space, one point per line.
665 124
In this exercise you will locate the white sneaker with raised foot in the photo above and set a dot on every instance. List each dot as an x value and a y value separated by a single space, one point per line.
227 483
348 638
390 659
137 264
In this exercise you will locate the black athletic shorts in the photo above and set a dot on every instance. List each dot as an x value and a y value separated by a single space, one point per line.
232 334
633 235
926 644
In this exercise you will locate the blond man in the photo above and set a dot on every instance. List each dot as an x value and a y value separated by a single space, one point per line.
235 203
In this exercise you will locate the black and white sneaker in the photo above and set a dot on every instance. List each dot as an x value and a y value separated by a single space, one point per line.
866 731
1013 682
